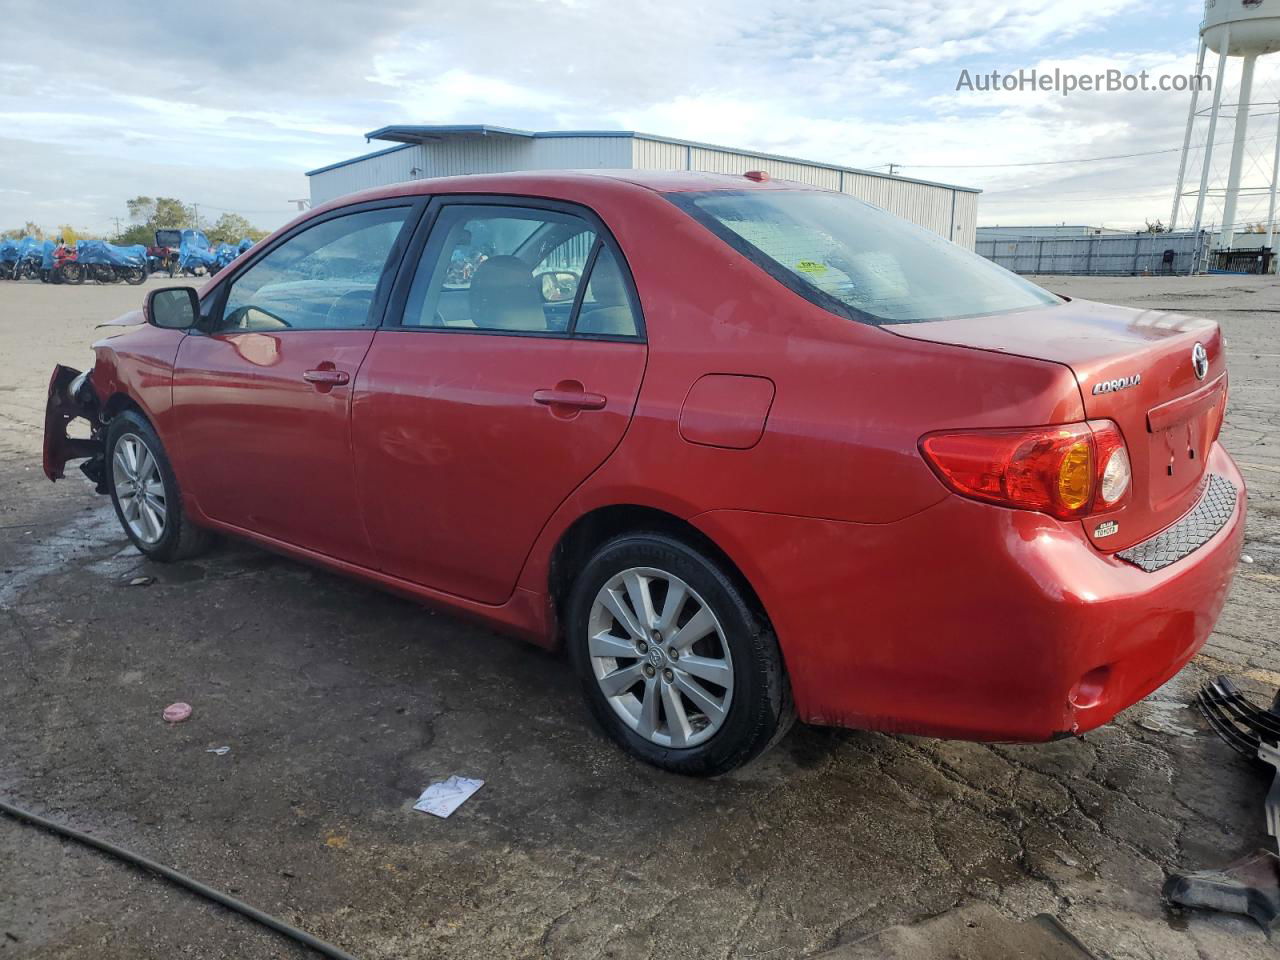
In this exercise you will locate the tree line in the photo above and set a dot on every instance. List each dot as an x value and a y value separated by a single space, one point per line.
146 216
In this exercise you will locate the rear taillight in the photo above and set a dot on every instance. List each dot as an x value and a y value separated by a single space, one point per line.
1067 471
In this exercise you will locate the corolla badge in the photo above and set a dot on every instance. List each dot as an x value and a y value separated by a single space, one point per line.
1200 361
1122 383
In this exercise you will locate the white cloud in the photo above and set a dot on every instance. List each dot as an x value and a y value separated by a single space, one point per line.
208 98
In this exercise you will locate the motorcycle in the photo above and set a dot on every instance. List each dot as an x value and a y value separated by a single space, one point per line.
8 258
194 255
163 255
66 268
106 263
30 254
223 255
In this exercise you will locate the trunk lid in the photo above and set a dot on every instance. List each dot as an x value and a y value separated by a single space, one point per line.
1137 368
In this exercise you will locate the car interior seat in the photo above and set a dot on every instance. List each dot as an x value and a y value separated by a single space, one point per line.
504 296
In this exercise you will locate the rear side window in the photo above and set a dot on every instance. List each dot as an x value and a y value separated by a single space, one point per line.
606 305
857 260
500 268
323 278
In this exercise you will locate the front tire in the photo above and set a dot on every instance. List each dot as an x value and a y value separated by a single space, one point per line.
145 492
674 662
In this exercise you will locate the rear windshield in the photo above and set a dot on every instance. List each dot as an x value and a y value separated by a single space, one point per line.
858 260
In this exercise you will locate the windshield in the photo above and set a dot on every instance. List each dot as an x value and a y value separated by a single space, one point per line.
858 260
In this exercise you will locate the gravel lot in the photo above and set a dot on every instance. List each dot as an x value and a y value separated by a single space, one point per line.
340 704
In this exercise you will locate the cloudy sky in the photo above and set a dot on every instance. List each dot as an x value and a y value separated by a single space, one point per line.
227 104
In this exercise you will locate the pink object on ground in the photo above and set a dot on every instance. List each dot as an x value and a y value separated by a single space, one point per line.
177 712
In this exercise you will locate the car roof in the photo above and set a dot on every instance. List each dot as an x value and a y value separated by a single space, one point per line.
568 184
572 186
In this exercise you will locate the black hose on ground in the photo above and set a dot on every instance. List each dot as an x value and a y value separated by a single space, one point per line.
181 879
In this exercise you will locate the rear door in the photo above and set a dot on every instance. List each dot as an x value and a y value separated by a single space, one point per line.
262 397
507 371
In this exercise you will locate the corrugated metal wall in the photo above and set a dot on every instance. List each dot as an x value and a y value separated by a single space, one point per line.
450 158
966 229
659 155
952 213
924 204
1105 255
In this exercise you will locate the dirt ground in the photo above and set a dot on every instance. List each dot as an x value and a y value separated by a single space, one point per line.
340 704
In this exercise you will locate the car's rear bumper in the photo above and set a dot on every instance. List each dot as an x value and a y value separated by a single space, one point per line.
974 621
63 406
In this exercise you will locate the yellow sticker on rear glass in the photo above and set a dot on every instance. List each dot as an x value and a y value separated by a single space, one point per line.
811 266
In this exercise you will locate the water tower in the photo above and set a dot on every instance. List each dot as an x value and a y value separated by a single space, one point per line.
1231 28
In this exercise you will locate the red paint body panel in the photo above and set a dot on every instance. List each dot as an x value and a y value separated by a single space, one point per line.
459 468
435 473
723 410
1101 343
262 448
972 621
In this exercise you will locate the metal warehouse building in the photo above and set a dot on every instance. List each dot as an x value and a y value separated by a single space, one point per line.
442 151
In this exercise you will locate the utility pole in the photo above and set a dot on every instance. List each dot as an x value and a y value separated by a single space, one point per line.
303 203
117 223
195 209
893 168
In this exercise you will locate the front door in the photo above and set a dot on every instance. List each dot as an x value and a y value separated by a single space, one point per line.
263 400
509 374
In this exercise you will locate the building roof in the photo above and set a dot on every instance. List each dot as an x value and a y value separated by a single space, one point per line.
407 135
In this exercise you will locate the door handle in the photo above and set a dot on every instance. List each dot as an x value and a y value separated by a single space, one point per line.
577 399
329 378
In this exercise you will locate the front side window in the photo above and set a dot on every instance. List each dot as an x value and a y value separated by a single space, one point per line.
501 269
858 260
321 279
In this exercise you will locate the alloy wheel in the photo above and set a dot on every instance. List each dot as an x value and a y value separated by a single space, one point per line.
139 488
660 656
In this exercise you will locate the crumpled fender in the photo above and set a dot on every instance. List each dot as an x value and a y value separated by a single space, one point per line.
60 409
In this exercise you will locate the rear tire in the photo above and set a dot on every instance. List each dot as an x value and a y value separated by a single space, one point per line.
674 662
145 493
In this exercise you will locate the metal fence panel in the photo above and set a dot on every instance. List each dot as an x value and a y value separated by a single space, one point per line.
1114 255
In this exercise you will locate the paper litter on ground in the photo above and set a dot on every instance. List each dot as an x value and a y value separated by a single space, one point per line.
441 799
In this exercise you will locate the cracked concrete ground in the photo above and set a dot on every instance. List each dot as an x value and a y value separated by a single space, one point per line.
340 704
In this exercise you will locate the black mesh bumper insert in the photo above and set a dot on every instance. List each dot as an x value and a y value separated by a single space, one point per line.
1190 533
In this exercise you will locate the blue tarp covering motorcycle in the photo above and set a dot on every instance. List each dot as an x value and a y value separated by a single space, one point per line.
107 263
224 254
194 254
8 257
28 262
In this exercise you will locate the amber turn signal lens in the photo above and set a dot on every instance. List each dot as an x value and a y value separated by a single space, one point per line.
1075 476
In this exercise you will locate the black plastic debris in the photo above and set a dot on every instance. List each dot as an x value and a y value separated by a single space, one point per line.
1250 886
1250 731
1241 724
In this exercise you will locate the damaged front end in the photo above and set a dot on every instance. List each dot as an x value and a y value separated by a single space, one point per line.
71 395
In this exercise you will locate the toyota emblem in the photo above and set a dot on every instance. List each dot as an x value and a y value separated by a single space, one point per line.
1200 361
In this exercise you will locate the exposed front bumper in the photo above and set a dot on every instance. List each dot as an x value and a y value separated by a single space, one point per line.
974 621
60 409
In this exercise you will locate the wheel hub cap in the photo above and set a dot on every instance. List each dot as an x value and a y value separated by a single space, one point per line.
661 658
139 488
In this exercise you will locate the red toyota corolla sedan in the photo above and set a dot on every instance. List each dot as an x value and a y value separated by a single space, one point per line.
748 449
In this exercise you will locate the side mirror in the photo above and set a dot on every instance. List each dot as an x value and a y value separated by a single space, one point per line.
173 308
557 285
